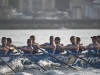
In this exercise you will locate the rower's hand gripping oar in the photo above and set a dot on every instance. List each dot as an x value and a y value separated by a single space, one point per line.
8 65
30 59
57 59
83 59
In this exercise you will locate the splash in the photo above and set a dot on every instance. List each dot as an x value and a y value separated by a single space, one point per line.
47 63
15 64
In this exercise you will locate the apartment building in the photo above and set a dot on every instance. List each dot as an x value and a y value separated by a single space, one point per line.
36 5
81 9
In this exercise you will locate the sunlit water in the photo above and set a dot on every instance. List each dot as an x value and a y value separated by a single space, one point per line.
19 38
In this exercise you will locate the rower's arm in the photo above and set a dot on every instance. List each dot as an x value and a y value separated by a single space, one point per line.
61 47
97 47
43 44
76 47
27 49
91 47
4 48
11 48
50 46
81 47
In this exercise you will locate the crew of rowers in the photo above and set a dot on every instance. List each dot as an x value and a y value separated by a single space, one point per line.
53 47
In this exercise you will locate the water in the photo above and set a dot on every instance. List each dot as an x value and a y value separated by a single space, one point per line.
19 38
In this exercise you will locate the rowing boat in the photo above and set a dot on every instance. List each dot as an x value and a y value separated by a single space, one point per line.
67 58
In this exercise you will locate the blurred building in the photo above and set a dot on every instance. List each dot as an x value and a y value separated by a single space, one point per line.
36 5
96 7
81 9
3 2
6 11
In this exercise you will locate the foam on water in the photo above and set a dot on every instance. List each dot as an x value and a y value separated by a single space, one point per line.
47 63
15 64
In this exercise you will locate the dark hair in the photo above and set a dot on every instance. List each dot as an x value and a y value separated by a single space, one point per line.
29 40
51 37
98 36
94 37
57 38
32 36
78 38
4 38
9 39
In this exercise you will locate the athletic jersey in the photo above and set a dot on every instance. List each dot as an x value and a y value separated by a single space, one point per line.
34 48
2 52
26 52
9 52
94 49
72 50
49 50
57 51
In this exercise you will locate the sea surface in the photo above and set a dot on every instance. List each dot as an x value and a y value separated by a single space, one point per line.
19 38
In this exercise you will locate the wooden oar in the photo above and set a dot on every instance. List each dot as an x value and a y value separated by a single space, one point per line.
8 65
84 60
31 60
58 59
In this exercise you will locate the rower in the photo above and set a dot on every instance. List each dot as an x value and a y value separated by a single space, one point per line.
81 47
58 49
49 47
12 47
94 45
34 45
74 48
27 49
4 48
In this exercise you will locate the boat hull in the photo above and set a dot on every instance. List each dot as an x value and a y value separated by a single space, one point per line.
68 59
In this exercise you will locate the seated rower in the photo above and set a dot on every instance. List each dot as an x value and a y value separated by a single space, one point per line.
27 49
81 47
4 48
49 47
58 49
94 45
74 48
12 47
34 45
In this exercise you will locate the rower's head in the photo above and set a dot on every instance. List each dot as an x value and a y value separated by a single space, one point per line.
32 37
51 39
98 40
9 41
4 41
73 39
78 40
57 40
94 39
29 42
